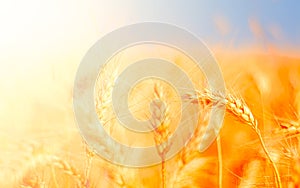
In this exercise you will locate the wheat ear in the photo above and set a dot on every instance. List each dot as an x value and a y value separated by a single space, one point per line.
241 110
188 153
57 162
67 169
288 127
104 88
114 175
160 123
238 108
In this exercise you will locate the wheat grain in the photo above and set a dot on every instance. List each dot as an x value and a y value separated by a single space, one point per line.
28 164
104 88
44 159
117 178
160 123
238 108
288 127
67 169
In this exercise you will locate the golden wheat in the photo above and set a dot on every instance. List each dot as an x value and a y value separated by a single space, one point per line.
115 177
286 150
67 169
189 152
90 154
103 98
160 123
43 160
199 172
238 108
289 127
26 163
251 171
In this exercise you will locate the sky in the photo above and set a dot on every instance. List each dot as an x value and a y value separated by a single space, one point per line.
45 25
43 42
279 20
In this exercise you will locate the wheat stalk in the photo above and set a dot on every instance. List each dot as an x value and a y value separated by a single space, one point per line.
90 154
238 108
220 159
160 123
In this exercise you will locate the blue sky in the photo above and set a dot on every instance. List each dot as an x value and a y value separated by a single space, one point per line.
81 19
199 17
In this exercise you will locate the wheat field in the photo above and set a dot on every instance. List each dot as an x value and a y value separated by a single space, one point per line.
258 145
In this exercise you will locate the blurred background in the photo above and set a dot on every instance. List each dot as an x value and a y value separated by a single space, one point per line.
43 42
